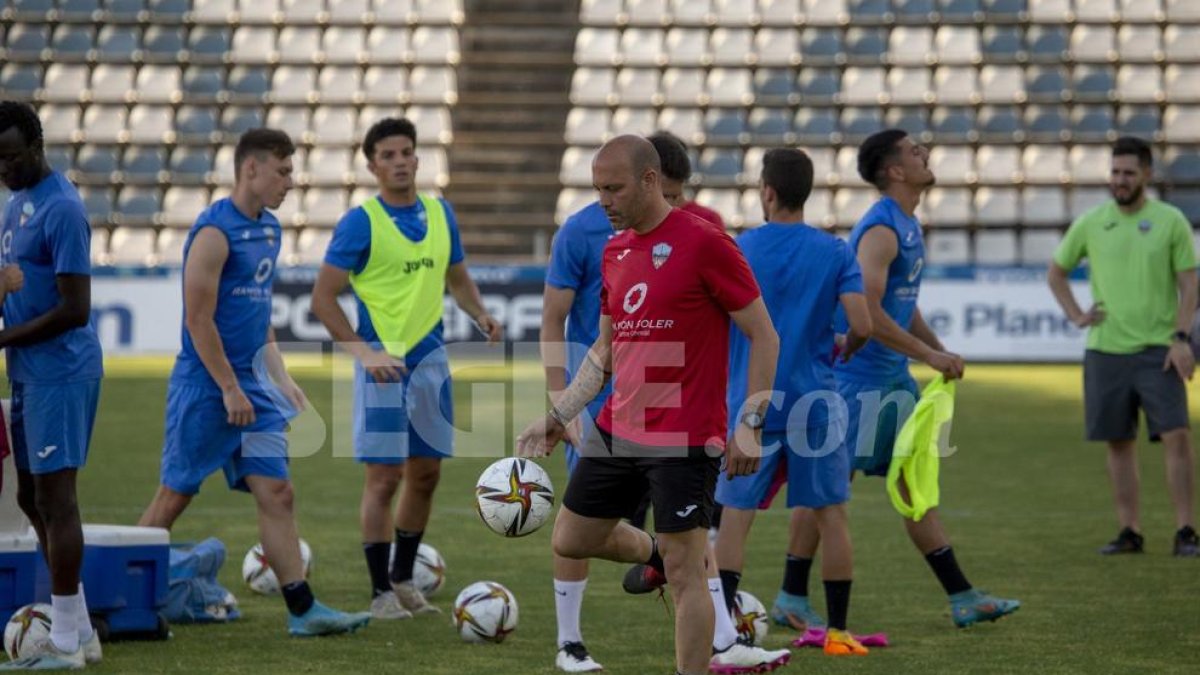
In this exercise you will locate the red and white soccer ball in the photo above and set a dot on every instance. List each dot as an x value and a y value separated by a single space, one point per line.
485 612
429 569
259 576
750 617
27 627
514 497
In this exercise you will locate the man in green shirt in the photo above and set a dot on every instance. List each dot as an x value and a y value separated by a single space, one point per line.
1142 267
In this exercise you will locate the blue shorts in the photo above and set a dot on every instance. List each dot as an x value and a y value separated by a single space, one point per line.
877 411
411 418
199 439
817 475
52 424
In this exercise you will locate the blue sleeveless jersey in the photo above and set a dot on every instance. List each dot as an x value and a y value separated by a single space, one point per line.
875 362
243 313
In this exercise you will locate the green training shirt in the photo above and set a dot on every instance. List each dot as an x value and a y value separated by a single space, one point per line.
1133 260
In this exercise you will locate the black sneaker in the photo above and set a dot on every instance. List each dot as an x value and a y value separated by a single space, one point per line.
643 578
1127 541
1187 543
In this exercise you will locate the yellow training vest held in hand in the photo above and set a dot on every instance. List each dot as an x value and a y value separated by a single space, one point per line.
404 280
915 456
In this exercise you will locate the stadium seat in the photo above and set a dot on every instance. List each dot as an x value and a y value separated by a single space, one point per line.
1047 43
953 124
587 126
59 157
1140 10
816 126
1091 123
913 120
333 125
955 85
577 166
162 43
863 86
248 84
776 47
957 45
132 246
78 10
329 165
998 164
104 124
1139 120
750 208
1182 165
686 123
736 12
910 45
1082 200
682 11
1044 206
818 210
346 46
637 121
845 166
640 47
687 47
773 87
779 12
291 120
196 124
948 247
208 44
826 12
253 11
822 47
1046 123
190 166
288 212
151 124
438 11
1188 201
393 12
299 45
253 45
72 43
324 206
1002 44
1038 246
866 45
597 47
732 46
683 86
1002 84
138 205
1139 84
1182 43
348 12
849 205
949 207
960 10
383 85
300 10
997 207
293 84
720 166
1095 10
159 84
1046 83
116 44
858 123
729 86
181 205
143 165
99 242
1093 44
1089 163
98 202
638 86
112 83
435 169
601 12
770 126
724 126
1045 163
311 245
1182 84
96 164
64 82
909 85
168 247
1049 11
27 42
1181 124
819 85
1138 43
571 200
1093 84
725 202
339 85
1182 11
996 247
236 120
433 85
952 164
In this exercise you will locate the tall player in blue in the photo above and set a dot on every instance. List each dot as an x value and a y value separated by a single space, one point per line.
230 396
54 366
572 298
805 275
876 384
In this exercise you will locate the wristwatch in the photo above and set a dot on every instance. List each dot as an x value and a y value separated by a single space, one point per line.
1182 336
753 420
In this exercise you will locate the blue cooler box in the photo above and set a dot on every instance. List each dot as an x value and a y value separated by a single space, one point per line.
19 562
124 579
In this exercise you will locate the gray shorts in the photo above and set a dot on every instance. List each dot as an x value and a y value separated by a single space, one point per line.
1116 385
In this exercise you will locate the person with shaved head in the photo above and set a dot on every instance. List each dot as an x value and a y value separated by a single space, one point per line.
670 286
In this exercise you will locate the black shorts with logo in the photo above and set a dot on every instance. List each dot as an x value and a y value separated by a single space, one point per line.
1116 385
609 483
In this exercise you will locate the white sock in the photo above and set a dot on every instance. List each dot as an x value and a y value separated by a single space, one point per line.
85 621
568 602
64 622
724 632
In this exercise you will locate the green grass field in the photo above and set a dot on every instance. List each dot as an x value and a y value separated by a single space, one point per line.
1025 499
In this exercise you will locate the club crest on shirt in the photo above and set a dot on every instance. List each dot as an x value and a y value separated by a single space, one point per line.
1144 226
659 254
26 213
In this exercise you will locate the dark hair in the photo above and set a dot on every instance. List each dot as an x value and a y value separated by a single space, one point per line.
789 172
24 118
876 153
1130 145
259 142
672 155
386 128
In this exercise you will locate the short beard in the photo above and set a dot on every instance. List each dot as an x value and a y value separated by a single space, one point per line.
1134 196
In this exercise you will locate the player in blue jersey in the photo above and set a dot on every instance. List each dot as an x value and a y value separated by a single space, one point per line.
805 274
400 252
230 397
572 299
54 367
876 386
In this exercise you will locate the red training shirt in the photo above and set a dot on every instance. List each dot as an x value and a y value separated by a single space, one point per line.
704 212
669 294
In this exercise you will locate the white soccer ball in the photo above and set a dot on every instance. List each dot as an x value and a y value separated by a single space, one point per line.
514 497
485 611
429 569
28 626
259 576
750 617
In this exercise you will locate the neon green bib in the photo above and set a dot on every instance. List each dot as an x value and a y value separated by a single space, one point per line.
404 280
915 455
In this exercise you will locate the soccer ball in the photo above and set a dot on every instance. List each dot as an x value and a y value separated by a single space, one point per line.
514 497
429 569
259 576
485 611
28 626
750 617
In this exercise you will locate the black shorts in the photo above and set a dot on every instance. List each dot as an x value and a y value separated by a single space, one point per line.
608 484
1116 385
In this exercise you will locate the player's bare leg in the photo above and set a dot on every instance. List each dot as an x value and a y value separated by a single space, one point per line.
1181 469
165 508
683 555
579 537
